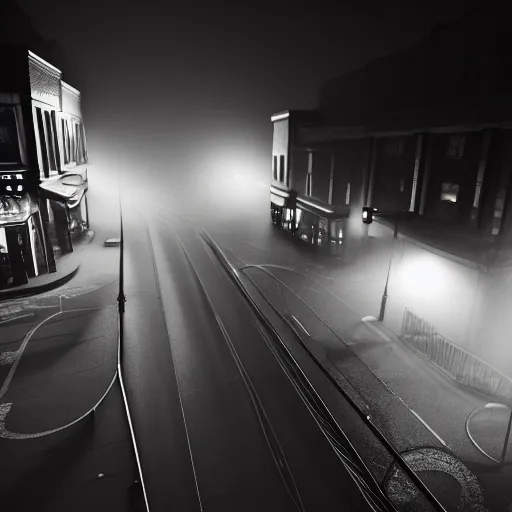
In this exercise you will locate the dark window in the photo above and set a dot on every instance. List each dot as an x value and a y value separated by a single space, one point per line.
42 142
274 169
49 141
449 192
65 140
395 145
281 168
55 140
79 145
9 144
455 147
68 142
82 142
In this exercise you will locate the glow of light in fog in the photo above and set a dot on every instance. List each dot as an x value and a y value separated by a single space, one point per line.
230 179
424 275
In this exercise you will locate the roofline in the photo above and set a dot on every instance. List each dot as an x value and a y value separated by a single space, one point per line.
42 61
366 132
280 115
70 87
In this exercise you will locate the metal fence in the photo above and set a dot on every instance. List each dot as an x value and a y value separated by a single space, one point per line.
462 366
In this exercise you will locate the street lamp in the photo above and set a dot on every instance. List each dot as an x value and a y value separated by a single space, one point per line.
368 214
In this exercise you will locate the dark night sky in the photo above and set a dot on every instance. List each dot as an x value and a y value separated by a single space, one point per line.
177 86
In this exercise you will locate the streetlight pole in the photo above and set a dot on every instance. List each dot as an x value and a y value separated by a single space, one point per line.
368 214
385 294
507 436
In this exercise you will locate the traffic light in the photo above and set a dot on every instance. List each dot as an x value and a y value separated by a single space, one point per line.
368 214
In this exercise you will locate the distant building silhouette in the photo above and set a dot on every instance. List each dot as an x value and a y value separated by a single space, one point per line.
458 65
17 29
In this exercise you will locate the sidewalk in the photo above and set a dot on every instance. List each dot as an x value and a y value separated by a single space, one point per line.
58 359
67 267
408 397
57 371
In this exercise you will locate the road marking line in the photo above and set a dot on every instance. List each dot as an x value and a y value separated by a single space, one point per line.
301 326
173 355
429 427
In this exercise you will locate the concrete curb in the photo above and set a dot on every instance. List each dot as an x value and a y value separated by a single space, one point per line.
55 279
6 295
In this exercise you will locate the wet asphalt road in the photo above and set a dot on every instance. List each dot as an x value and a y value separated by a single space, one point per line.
218 423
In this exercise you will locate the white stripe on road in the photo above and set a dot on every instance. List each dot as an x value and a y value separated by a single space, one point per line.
429 427
301 326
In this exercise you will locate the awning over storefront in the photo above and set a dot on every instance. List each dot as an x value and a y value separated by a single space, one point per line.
281 197
321 209
68 187
277 200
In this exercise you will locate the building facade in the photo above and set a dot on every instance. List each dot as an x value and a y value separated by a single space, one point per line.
43 168
426 131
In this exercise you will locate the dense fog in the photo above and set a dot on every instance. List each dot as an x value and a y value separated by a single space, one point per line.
177 98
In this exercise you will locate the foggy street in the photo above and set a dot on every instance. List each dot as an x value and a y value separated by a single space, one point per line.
213 410
255 256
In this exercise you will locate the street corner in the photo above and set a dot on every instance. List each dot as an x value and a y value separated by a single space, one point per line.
43 283
445 476
60 372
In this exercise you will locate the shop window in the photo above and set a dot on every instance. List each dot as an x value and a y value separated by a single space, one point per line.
455 147
336 232
395 145
298 217
449 192
9 144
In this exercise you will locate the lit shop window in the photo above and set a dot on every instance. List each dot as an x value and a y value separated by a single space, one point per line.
449 192
298 216
455 147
